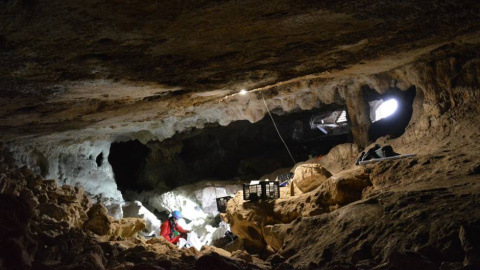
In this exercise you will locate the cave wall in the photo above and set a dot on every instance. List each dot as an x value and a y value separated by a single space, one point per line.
414 213
442 83
241 150
83 164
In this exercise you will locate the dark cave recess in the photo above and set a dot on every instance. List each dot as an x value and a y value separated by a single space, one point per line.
128 161
241 151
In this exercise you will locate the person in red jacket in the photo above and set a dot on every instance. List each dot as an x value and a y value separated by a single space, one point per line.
170 227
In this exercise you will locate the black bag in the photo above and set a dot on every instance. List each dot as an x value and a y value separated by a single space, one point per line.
376 152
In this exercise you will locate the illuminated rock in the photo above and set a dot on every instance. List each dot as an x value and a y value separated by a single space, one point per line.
136 209
307 177
98 220
126 227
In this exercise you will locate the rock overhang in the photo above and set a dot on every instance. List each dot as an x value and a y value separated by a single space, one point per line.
149 70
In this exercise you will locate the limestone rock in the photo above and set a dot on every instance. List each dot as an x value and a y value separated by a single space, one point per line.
246 219
242 255
307 177
343 188
209 249
98 220
340 157
272 237
253 221
290 190
126 227
64 204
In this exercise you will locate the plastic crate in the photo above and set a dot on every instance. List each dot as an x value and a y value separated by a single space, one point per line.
222 203
262 190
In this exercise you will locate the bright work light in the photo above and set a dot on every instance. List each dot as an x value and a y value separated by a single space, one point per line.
386 109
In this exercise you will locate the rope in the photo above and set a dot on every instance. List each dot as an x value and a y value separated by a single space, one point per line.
275 125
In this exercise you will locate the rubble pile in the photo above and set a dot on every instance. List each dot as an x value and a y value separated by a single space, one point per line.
45 226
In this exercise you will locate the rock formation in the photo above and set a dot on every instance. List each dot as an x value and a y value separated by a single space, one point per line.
48 227
407 214
84 82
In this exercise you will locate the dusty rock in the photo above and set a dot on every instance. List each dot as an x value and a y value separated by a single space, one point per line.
208 249
126 227
273 236
343 188
290 190
98 220
419 213
243 255
251 220
49 236
341 157
307 177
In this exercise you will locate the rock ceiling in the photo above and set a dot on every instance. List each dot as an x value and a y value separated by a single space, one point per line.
125 67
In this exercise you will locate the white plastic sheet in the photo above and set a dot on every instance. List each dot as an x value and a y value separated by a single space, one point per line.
191 241
194 241
182 243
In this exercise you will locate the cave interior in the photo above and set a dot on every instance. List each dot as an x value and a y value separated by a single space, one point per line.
115 114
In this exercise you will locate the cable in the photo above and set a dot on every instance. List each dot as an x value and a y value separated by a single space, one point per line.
275 125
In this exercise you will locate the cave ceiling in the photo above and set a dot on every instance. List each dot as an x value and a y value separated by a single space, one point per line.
125 67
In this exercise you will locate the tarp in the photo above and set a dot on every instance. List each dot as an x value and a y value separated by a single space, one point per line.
191 241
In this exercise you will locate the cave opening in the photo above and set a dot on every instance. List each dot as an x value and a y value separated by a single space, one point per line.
128 161
240 151
390 112
247 150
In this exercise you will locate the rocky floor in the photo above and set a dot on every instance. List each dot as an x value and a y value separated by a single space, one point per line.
43 226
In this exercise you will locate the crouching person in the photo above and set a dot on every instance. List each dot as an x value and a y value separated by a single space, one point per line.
171 231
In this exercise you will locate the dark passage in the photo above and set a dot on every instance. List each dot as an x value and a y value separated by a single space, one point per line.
128 161
241 150
249 151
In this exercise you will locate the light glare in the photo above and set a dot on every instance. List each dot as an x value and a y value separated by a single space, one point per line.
243 92
386 109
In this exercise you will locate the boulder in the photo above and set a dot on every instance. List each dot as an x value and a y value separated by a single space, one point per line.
252 220
210 249
247 219
307 176
273 237
343 188
64 204
98 220
126 227
340 157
